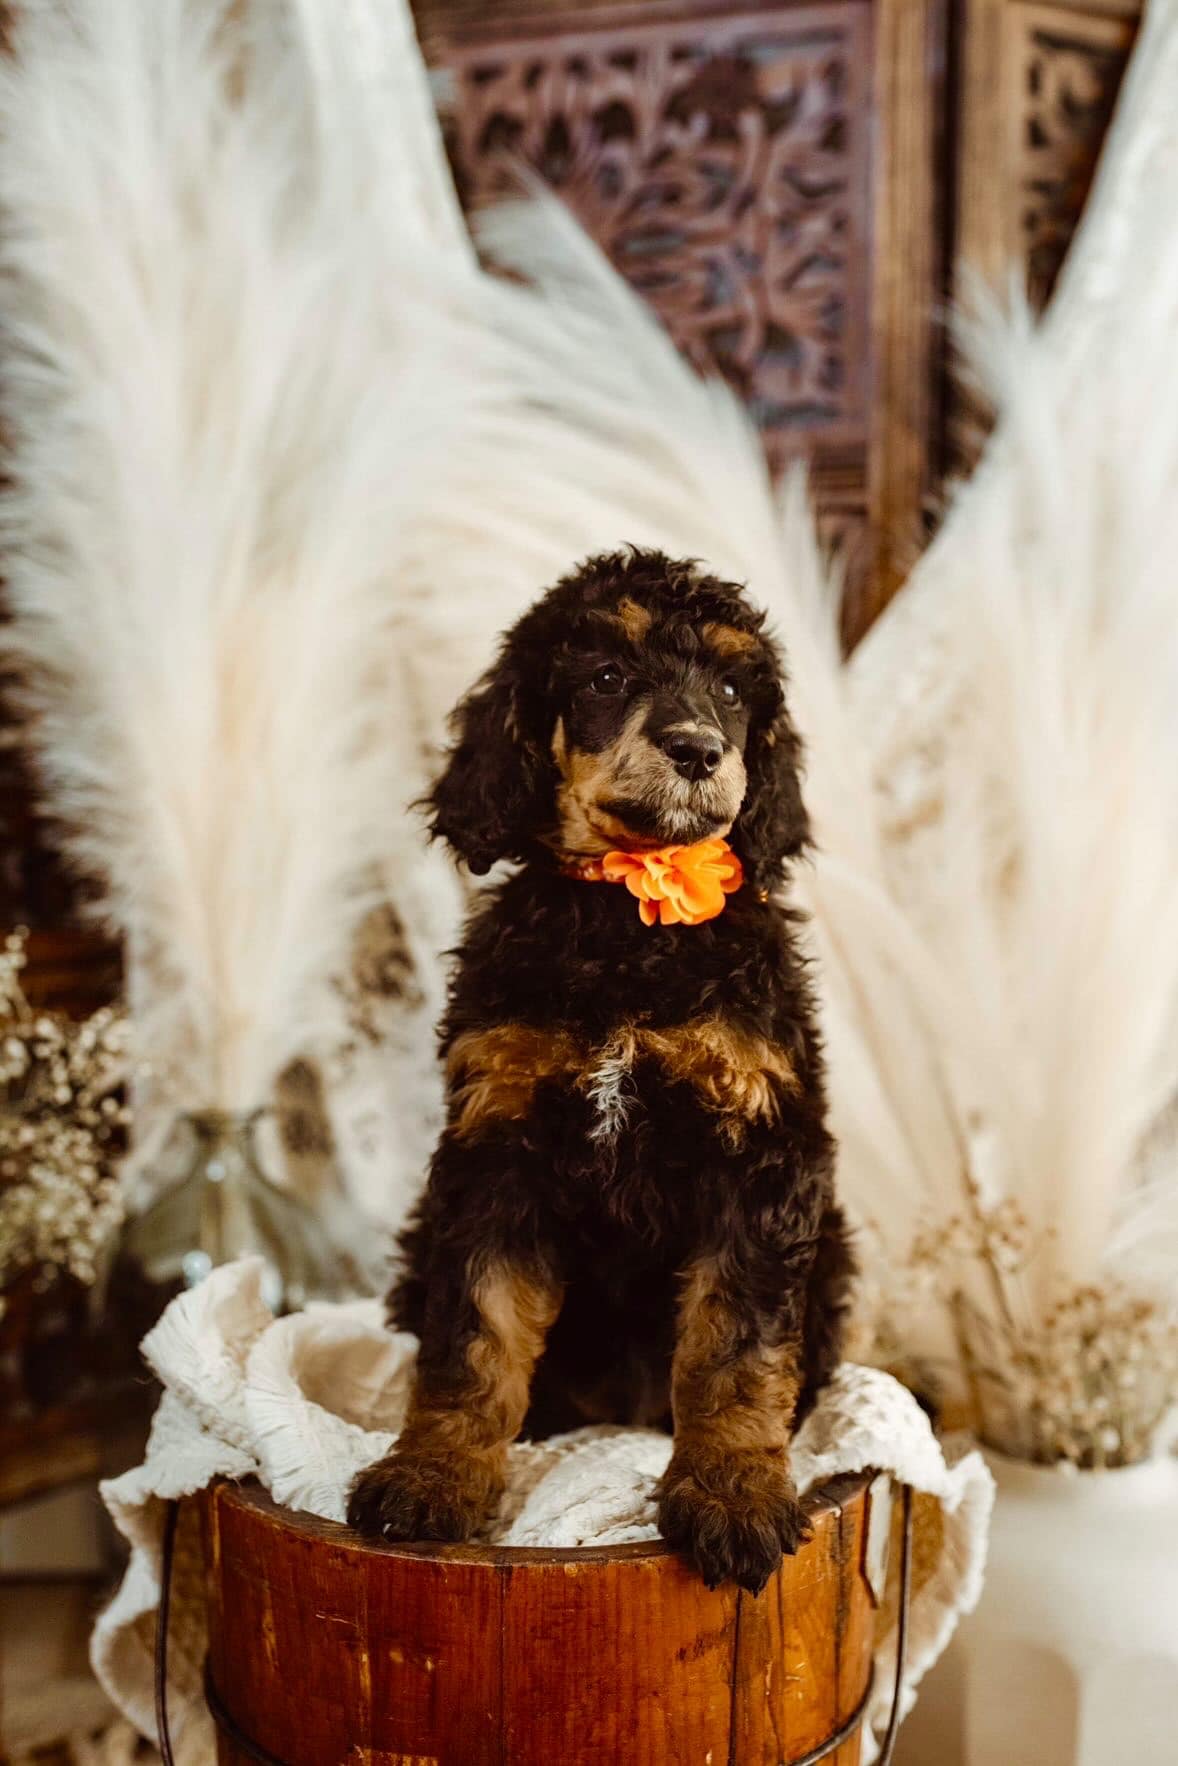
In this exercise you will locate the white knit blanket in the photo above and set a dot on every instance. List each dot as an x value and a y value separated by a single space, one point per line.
303 1402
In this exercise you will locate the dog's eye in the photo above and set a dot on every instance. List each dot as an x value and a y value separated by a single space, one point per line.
729 692
609 679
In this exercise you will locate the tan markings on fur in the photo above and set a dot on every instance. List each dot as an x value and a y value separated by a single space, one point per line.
629 763
516 1310
733 1071
468 1432
493 1074
728 1396
635 621
728 640
632 767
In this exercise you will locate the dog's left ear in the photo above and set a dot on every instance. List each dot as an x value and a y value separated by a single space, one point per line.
491 800
772 826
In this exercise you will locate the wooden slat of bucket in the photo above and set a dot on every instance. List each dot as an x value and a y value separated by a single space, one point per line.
329 1651
856 1629
308 1645
435 1689
790 1693
668 1692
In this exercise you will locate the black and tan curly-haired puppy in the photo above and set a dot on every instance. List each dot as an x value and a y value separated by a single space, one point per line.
630 1216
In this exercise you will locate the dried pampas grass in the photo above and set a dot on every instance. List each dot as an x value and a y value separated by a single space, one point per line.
219 428
1045 906
1057 879
1017 704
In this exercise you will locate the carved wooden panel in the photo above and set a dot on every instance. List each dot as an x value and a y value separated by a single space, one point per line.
746 169
1039 84
722 163
1070 69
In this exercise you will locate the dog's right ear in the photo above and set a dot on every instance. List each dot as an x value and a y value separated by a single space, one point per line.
492 800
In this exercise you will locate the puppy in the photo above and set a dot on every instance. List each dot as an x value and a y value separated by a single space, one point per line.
630 1216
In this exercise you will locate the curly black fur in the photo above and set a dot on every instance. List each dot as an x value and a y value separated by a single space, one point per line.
637 1242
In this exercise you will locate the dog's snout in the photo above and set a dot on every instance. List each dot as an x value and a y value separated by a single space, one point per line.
696 753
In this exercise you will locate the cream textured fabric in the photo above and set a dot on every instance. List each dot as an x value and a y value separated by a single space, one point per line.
303 1402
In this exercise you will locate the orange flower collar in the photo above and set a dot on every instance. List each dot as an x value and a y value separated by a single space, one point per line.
675 885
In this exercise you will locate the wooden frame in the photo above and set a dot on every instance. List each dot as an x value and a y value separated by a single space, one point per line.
909 273
998 45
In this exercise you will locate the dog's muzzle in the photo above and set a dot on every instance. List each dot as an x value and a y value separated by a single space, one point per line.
694 752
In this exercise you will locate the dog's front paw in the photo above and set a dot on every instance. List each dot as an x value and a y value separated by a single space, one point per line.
732 1516
407 1497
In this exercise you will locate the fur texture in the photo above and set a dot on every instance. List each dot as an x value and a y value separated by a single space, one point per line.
636 1114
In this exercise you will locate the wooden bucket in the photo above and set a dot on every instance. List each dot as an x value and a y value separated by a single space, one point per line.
325 1649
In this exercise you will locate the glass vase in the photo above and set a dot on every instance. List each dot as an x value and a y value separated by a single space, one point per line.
217 1203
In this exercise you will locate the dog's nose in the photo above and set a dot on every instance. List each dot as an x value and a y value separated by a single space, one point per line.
696 753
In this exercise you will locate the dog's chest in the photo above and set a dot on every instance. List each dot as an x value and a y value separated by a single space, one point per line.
608 1083
635 1076
735 1075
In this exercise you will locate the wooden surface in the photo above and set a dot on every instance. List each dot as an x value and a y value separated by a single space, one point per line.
909 280
1038 83
723 157
71 970
326 1649
95 1435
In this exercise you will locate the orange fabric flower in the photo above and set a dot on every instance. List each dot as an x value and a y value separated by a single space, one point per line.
675 885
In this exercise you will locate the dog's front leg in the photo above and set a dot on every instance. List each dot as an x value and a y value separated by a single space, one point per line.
727 1501
481 1339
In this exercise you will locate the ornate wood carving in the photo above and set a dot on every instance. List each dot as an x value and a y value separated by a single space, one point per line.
910 267
722 163
1039 82
770 179
1072 68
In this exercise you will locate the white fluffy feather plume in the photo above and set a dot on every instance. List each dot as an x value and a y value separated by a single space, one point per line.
1052 899
1017 700
1027 943
218 428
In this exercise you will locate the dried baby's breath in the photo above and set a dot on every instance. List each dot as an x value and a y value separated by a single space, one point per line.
1095 1379
1088 1377
63 1130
